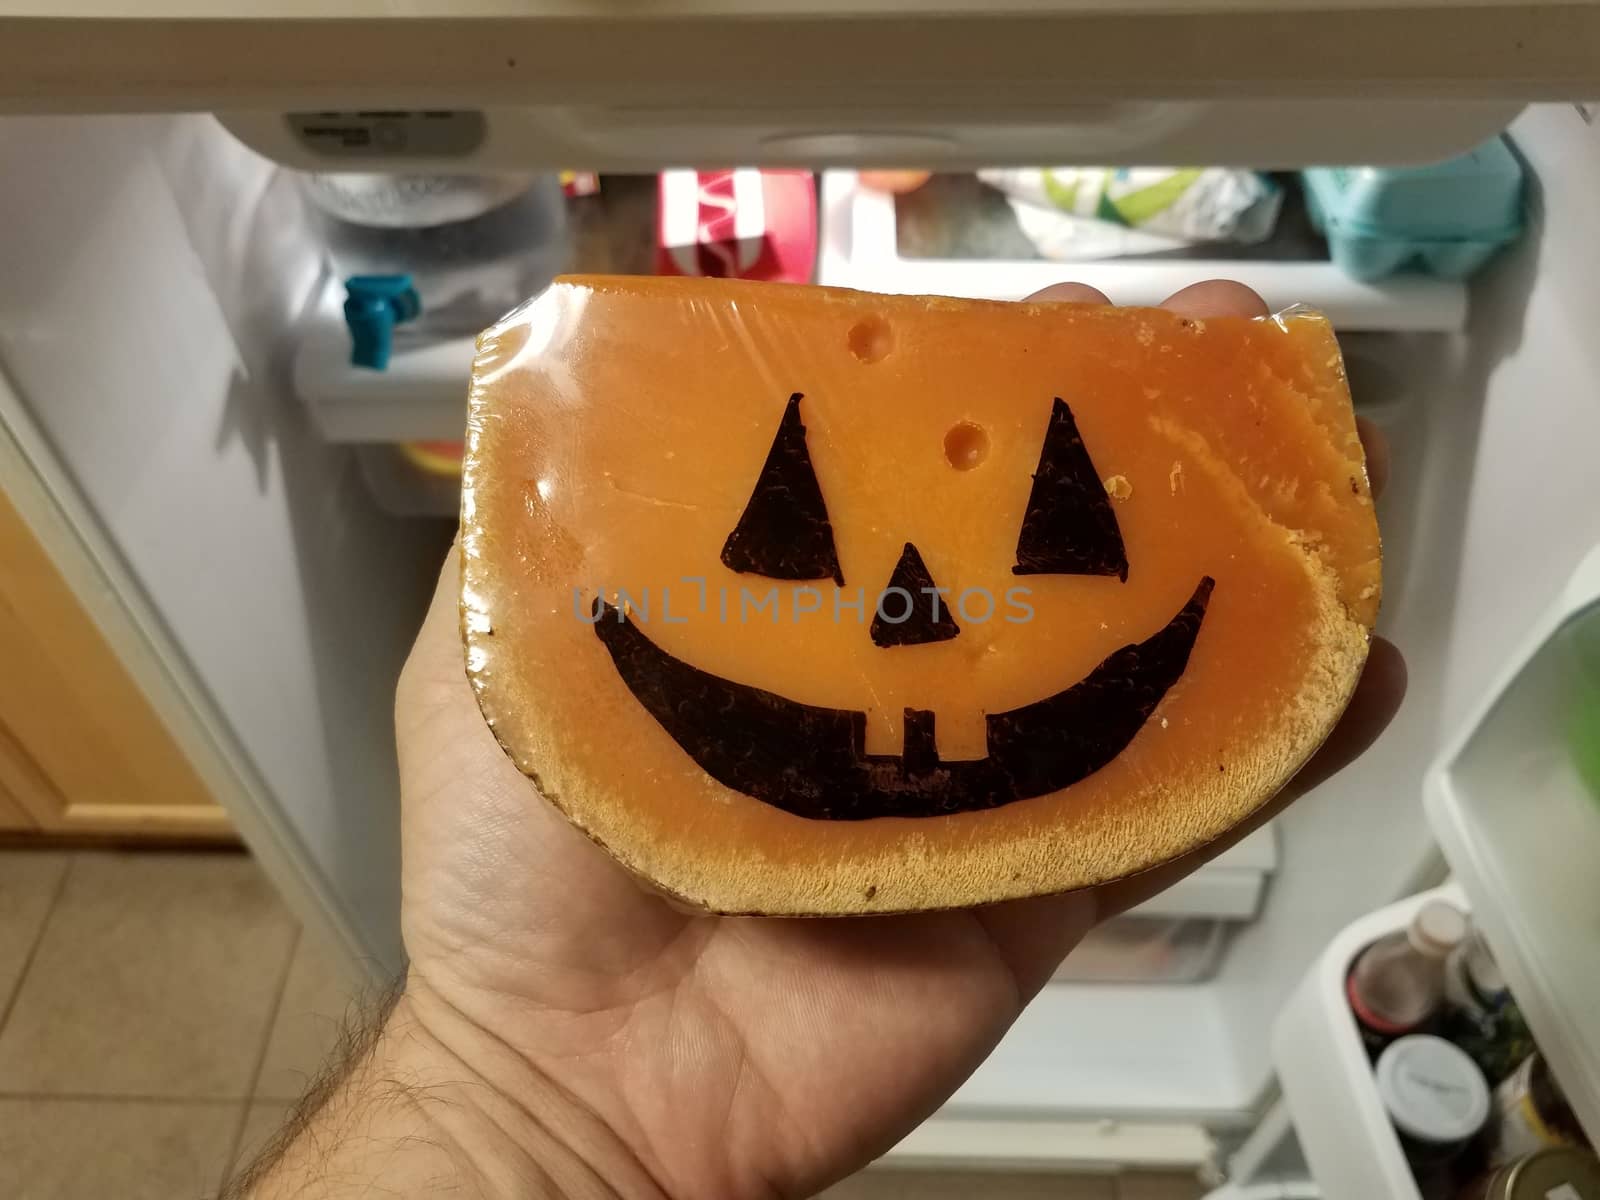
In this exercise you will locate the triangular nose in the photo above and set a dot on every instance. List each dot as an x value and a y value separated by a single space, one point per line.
911 610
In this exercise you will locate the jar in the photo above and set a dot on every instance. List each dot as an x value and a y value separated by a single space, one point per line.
1531 1114
1437 1100
1564 1173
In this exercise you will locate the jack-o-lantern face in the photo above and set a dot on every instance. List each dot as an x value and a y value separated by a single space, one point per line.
811 761
808 601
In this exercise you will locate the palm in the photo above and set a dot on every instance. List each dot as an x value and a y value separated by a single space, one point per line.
733 1056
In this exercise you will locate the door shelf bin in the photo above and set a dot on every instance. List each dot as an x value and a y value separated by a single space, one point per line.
1327 1079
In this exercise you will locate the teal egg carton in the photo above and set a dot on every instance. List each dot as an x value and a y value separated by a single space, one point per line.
1448 219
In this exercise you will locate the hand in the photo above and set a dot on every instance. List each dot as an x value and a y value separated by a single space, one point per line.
704 1056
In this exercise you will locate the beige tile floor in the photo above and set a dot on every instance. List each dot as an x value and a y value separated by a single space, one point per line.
159 1012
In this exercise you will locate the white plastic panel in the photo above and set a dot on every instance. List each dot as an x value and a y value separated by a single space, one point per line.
800 57
1522 833
1143 1052
1020 1144
915 124
1532 514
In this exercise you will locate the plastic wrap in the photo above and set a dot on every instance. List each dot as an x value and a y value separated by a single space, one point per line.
810 601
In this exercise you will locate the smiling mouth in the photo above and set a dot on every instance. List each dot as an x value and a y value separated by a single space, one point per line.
811 761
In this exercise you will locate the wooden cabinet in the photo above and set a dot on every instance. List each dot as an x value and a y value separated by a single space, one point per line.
81 749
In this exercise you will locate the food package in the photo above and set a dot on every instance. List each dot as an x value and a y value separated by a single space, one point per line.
1099 212
1447 219
808 601
741 224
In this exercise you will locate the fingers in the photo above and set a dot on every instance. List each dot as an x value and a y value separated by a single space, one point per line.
1376 445
1228 298
1216 298
1209 298
1071 293
1376 700
436 655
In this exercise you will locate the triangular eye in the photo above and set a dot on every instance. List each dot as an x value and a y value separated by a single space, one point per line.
1069 527
784 532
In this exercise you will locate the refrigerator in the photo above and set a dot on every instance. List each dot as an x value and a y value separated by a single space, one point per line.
178 424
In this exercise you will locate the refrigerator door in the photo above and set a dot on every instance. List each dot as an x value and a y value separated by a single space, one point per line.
238 527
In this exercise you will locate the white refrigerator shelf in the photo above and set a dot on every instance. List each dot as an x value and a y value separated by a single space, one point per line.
422 394
859 248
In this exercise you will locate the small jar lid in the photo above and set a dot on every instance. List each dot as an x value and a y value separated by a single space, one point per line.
1432 1090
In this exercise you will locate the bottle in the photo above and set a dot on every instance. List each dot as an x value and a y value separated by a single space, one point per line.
1531 1114
1473 981
1438 1101
1479 1014
1396 986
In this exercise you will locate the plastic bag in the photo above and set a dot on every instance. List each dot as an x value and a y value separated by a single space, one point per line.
1097 212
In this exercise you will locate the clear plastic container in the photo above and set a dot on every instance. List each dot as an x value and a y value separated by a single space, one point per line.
1449 218
475 246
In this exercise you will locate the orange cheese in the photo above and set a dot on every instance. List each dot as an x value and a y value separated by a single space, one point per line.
802 600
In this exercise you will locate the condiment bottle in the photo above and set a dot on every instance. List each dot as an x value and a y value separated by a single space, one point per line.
1396 986
1480 1014
1531 1113
1438 1101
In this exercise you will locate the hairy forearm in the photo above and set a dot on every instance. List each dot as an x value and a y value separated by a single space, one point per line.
423 1103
